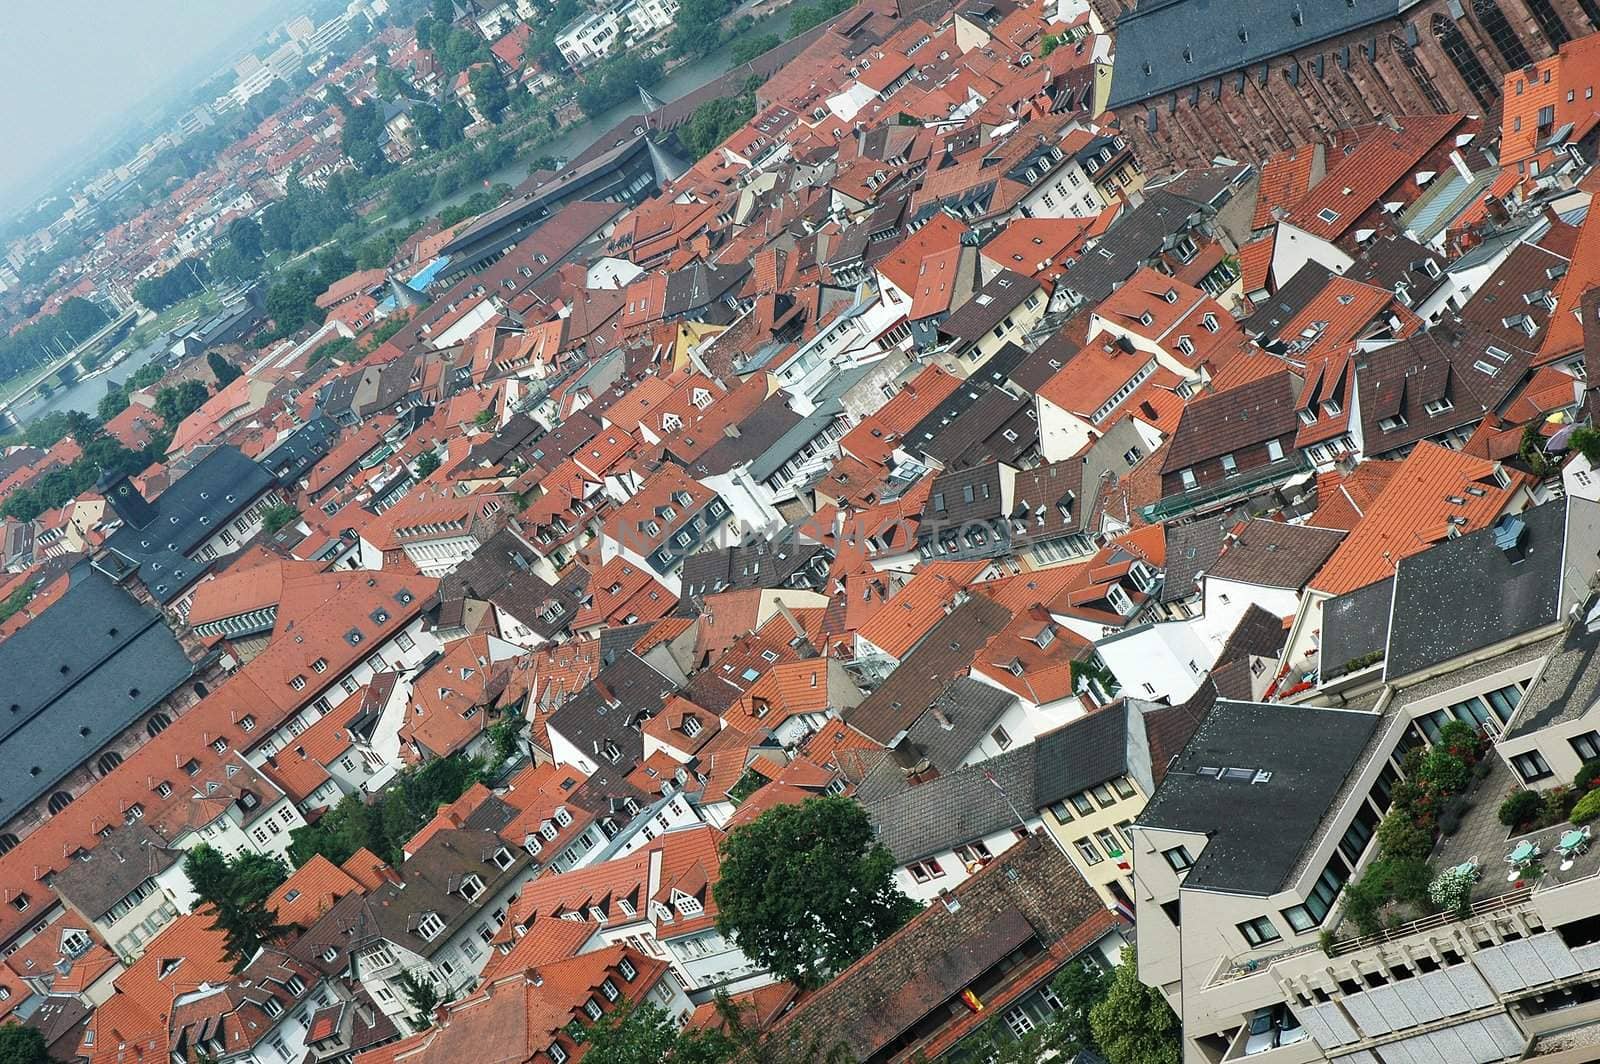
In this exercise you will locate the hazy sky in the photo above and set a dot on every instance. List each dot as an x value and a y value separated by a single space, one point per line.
74 68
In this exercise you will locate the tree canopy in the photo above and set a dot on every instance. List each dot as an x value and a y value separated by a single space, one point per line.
225 372
806 889
177 284
179 401
384 825
22 1045
237 889
1133 1024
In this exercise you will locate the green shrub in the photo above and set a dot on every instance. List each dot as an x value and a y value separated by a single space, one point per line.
1461 739
1587 809
1401 838
1444 774
1520 808
1557 804
1587 777
1405 880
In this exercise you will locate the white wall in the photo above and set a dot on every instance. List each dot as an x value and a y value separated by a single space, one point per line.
1168 659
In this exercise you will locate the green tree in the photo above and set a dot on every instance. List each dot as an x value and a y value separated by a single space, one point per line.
178 402
22 1045
237 889
225 372
714 121
427 462
747 48
362 137
277 517
1133 1023
292 302
114 402
244 236
423 997
806 889
489 89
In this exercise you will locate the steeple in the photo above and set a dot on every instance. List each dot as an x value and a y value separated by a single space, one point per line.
651 101
668 167
404 295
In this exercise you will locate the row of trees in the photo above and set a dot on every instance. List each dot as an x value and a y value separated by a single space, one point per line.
37 344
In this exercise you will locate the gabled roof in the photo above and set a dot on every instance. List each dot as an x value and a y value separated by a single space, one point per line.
1433 491
1217 424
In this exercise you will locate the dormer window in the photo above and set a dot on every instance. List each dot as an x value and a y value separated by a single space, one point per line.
1210 322
430 926
471 887
687 906
503 859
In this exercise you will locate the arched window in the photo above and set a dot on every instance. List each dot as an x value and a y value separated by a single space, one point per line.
59 801
1462 57
1550 23
1425 85
8 842
157 724
201 690
1501 35
108 761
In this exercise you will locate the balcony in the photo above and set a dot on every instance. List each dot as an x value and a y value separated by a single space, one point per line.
1216 495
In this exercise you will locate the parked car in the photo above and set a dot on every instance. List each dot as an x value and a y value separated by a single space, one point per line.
1263 1034
1289 1029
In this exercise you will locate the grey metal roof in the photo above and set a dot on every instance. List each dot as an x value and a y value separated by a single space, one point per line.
1257 829
1488 593
794 438
1191 549
192 510
1164 45
75 676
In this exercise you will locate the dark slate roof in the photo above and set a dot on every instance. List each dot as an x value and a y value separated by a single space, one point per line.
432 880
611 707
192 510
1133 239
88 666
781 562
1223 422
751 438
1458 363
1270 553
989 306
956 808
1258 830
1191 550
1488 594
945 652
1354 626
698 285
1164 45
500 572
962 717
303 448
114 869
1082 754
1289 300
1258 634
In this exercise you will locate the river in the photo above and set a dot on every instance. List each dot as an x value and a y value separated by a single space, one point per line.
84 394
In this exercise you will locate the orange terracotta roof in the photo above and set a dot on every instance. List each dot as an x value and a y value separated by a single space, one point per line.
1431 486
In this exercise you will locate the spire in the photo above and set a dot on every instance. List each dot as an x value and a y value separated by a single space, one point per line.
404 295
668 167
651 101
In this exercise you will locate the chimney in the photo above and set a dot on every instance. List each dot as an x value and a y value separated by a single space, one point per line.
533 976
